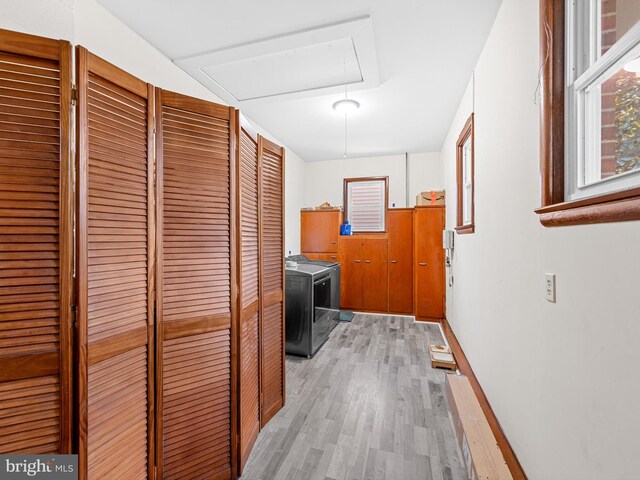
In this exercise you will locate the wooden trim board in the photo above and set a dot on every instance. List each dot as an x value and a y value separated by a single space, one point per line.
465 368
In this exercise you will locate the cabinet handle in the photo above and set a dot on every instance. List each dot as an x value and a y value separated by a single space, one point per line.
333 243
367 261
333 256
423 264
393 261
357 261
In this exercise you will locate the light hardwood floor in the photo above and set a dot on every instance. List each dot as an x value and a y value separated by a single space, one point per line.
367 406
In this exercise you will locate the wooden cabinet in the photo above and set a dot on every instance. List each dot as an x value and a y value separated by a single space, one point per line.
320 230
401 271
363 261
400 231
429 262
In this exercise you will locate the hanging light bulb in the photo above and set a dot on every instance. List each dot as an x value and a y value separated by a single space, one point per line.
346 105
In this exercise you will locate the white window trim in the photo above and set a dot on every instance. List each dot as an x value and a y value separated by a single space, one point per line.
585 73
467 184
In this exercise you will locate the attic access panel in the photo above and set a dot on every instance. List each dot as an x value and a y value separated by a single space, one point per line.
302 69
300 64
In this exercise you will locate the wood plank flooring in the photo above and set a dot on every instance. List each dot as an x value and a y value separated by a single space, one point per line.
367 406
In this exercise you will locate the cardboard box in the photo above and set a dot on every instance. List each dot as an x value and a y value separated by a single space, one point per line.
434 197
480 451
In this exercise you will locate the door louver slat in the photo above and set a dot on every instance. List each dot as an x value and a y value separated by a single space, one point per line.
35 245
196 431
116 237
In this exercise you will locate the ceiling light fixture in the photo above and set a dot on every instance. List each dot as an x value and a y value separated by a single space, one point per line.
346 106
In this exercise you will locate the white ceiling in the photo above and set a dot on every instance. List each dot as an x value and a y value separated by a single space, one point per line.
283 63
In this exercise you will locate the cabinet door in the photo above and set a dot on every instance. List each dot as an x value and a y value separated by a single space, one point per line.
400 228
374 273
429 268
351 273
320 230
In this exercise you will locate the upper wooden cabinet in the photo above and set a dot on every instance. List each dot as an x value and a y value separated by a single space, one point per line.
429 262
400 228
320 230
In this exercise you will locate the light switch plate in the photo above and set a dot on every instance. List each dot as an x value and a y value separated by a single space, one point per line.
550 287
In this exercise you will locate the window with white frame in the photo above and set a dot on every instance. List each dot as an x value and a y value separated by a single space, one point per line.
602 98
464 177
365 202
467 184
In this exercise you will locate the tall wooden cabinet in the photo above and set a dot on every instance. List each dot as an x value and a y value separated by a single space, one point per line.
400 231
429 273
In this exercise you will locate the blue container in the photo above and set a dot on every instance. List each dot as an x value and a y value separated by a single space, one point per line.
345 228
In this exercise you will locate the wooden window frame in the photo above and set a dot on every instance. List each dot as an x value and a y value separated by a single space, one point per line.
466 134
554 211
345 194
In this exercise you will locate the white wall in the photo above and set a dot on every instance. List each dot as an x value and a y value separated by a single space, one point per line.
86 23
560 377
324 179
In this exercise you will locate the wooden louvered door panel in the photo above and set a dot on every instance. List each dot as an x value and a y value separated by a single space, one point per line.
249 269
35 245
116 238
196 226
271 161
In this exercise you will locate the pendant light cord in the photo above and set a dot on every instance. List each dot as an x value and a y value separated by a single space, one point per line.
344 67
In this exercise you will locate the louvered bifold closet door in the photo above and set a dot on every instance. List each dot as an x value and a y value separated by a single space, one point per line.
116 238
271 160
249 270
35 245
196 226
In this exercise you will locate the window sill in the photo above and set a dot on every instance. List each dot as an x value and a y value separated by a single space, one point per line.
615 207
463 229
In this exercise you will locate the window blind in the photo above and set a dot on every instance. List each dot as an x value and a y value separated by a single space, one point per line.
366 205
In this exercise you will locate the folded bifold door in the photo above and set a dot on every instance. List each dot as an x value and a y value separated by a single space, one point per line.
272 333
196 285
36 229
248 254
115 252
